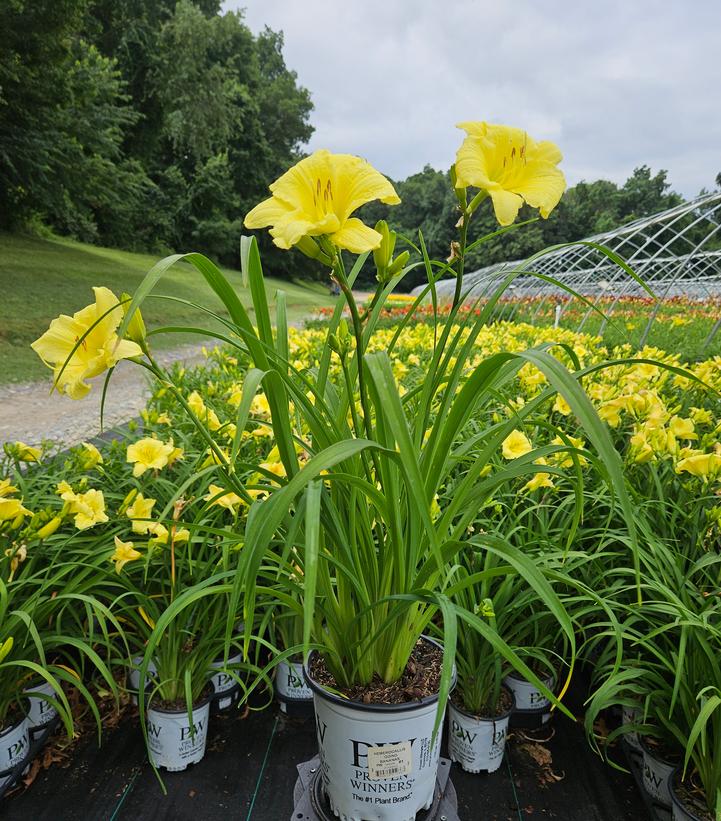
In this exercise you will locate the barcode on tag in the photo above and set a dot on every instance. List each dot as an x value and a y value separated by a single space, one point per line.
389 761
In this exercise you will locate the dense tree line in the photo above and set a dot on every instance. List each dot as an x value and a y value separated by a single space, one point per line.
157 126
145 125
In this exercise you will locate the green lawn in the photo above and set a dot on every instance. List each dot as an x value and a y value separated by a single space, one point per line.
41 278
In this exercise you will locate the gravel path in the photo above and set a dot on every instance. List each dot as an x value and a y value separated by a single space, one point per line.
29 413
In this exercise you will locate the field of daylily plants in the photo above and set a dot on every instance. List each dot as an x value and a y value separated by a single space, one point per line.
459 511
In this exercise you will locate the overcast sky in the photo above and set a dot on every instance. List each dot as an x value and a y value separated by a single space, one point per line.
615 84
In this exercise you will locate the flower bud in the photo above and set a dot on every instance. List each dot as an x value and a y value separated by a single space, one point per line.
311 249
399 263
383 254
460 193
49 528
136 328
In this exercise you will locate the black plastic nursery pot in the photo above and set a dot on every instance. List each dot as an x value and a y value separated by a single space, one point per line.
176 740
681 809
378 762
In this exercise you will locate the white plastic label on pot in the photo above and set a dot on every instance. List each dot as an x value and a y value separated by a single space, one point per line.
14 748
174 741
290 684
41 711
527 695
631 715
364 783
477 744
223 682
655 778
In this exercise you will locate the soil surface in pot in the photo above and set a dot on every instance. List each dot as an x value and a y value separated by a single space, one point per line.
420 679
179 705
661 750
692 797
12 717
505 702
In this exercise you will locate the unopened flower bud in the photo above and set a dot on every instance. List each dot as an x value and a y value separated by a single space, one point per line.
136 328
49 528
399 263
311 249
383 254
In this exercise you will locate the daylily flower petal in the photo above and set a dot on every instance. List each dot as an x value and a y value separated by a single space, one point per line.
356 237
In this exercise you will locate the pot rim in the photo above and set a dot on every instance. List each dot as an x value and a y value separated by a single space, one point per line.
651 752
516 676
221 659
198 706
483 719
675 799
405 707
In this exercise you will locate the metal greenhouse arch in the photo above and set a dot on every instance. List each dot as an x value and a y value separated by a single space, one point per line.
677 252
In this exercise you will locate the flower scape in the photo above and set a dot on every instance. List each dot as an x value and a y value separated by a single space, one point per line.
335 477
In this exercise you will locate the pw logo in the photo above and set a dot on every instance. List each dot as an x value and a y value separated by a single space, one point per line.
14 750
462 734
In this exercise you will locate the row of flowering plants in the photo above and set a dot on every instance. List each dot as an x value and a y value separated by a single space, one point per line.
407 508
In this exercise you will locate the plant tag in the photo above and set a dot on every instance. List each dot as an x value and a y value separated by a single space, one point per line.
389 761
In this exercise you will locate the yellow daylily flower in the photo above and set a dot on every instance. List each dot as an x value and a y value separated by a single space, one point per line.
26 453
66 493
90 456
700 464
6 489
538 481
516 444
641 449
89 509
682 428
139 512
701 416
148 454
228 499
159 533
124 552
561 406
317 196
98 351
512 167
10 509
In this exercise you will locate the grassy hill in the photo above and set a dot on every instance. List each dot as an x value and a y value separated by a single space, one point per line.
41 278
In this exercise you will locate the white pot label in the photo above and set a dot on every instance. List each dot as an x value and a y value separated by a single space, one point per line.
290 683
14 747
41 712
389 761
223 681
655 779
527 695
